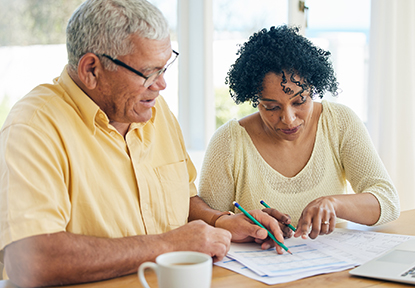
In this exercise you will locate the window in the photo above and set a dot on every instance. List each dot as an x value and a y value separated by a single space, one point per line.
234 21
32 49
342 27
170 94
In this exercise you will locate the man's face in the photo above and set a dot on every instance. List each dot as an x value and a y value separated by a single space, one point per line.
121 93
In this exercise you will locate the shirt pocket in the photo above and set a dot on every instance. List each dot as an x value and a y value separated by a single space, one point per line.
174 180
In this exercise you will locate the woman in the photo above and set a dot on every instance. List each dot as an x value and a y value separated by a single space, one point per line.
296 154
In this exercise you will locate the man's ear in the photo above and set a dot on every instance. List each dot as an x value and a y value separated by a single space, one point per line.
89 67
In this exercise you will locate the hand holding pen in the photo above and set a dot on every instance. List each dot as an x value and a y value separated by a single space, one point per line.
285 223
244 230
271 235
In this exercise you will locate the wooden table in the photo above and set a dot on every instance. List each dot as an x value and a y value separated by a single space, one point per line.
223 278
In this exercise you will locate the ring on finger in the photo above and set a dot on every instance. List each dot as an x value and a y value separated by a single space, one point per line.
326 223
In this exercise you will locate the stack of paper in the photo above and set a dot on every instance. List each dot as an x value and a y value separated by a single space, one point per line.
343 249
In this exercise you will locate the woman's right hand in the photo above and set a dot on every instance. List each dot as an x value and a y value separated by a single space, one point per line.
244 230
283 220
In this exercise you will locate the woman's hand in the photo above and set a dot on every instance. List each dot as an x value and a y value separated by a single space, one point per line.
283 220
317 218
244 230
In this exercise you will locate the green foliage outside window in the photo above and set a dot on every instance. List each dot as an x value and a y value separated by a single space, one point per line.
226 108
34 22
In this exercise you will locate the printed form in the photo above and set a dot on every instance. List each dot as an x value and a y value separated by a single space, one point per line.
340 250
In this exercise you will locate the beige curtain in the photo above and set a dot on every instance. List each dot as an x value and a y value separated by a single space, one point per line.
391 87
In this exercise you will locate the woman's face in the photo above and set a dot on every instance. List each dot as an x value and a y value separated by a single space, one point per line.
285 115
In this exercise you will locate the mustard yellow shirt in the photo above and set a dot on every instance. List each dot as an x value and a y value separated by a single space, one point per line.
63 167
233 169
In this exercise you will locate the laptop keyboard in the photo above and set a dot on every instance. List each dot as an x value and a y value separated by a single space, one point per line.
410 272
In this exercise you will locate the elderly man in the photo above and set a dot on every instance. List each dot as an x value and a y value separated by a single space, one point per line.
94 175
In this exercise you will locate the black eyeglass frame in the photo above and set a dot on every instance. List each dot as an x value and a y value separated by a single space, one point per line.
158 72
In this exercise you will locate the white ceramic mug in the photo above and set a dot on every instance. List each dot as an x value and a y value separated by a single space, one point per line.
181 269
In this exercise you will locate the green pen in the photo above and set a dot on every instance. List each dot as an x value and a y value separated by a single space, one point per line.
266 206
260 225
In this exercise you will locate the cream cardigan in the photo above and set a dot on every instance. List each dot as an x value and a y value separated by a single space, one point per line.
233 169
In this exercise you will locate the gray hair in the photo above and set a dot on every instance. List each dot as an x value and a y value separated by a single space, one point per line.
104 26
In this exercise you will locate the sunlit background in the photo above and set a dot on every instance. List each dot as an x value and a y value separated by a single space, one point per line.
32 51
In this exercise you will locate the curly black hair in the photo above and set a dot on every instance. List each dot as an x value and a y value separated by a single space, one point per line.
279 49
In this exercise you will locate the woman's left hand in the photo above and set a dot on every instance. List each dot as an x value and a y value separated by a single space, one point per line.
317 218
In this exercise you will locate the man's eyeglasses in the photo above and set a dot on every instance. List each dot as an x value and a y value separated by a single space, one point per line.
150 79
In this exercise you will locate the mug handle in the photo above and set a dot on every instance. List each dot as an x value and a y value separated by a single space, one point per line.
141 269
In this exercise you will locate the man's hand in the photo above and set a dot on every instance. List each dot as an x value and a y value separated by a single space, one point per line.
65 258
201 237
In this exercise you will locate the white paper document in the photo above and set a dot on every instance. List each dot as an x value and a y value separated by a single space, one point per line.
340 250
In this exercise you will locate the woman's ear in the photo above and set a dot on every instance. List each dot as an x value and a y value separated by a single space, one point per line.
89 68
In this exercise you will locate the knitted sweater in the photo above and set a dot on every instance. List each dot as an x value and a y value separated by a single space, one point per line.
233 169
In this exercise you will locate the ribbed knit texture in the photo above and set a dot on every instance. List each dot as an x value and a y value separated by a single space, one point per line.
233 169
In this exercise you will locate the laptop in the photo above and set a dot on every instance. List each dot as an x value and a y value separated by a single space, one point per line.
398 265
